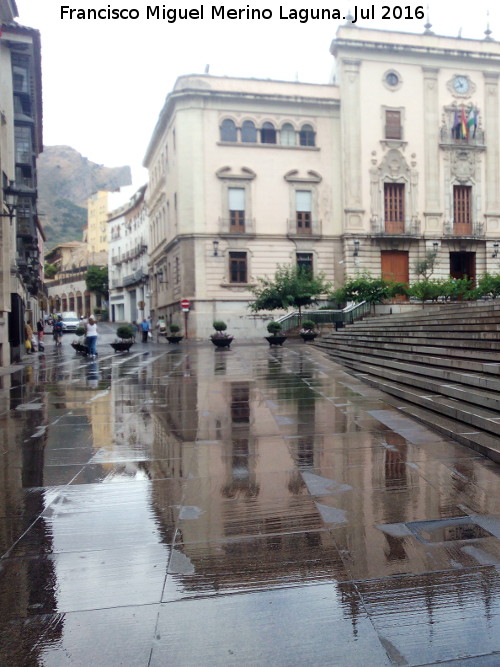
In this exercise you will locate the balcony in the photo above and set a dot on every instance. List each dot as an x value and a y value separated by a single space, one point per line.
447 140
388 229
471 230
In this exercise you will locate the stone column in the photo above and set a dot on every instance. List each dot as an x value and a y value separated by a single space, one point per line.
492 205
351 144
431 135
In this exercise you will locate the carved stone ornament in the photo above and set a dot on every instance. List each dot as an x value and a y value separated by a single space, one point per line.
463 165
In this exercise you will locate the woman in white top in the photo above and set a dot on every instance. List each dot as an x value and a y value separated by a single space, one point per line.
92 337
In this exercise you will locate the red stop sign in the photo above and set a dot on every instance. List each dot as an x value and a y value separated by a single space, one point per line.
185 303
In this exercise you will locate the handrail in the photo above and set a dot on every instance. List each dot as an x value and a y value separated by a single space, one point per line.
346 316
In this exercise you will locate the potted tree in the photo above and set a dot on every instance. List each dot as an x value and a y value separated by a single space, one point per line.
79 344
276 336
174 336
220 338
308 331
124 340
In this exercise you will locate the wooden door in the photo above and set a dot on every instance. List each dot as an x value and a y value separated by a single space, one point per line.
395 265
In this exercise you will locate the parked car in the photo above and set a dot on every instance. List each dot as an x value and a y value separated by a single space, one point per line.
70 321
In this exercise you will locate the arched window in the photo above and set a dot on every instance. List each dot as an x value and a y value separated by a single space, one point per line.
287 135
307 136
248 132
268 134
228 130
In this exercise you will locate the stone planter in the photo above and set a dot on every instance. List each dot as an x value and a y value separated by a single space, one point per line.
275 340
308 336
222 342
122 346
173 339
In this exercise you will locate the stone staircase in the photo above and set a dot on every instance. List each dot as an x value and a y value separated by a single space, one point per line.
440 366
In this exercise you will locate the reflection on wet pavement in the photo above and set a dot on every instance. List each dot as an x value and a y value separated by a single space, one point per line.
195 506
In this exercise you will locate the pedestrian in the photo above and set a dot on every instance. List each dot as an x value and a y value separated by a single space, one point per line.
28 335
40 334
57 331
161 327
135 330
145 330
91 332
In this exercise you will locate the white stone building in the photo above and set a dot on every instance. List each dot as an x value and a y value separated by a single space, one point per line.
399 156
128 231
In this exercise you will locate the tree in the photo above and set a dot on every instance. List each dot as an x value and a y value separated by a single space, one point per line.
366 288
97 280
425 267
50 270
291 287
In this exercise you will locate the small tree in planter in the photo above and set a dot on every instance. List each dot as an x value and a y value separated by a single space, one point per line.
79 344
308 331
276 337
220 338
175 336
125 334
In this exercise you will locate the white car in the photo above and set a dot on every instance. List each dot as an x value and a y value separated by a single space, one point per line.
70 321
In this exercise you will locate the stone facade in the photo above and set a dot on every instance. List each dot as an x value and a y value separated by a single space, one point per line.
128 260
397 158
22 293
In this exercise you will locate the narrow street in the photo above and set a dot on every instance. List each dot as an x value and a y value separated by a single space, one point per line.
184 505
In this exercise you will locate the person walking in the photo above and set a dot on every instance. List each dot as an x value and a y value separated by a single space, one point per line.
145 330
91 332
40 334
28 333
57 331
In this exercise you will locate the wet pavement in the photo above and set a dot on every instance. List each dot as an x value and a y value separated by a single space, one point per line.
185 505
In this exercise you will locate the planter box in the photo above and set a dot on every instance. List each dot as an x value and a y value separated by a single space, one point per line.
79 347
275 340
308 336
122 346
222 342
173 339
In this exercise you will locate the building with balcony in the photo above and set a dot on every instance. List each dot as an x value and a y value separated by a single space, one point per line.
399 156
96 233
22 292
128 232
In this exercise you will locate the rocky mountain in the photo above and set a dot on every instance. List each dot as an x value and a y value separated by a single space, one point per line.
66 180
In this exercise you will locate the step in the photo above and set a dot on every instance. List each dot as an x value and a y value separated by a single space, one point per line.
469 415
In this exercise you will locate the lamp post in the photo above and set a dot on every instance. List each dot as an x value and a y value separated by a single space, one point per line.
10 195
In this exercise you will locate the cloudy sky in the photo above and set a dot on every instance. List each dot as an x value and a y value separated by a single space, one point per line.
105 81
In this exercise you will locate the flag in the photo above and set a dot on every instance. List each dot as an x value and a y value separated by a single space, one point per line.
455 132
463 125
472 122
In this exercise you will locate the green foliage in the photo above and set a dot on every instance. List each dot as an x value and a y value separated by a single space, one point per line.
274 327
219 325
50 270
80 331
174 328
427 290
125 331
97 280
458 289
488 285
291 287
309 324
425 267
366 288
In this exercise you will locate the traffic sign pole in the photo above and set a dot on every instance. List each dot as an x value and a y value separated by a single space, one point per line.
185 305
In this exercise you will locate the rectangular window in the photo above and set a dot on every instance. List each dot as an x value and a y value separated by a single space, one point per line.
305 262
236 209
462 208
237 267
394 207
303 211
393 129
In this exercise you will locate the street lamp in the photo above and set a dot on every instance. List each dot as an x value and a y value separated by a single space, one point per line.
10 195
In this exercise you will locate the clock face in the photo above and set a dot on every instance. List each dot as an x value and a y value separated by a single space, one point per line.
392 79
461 84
